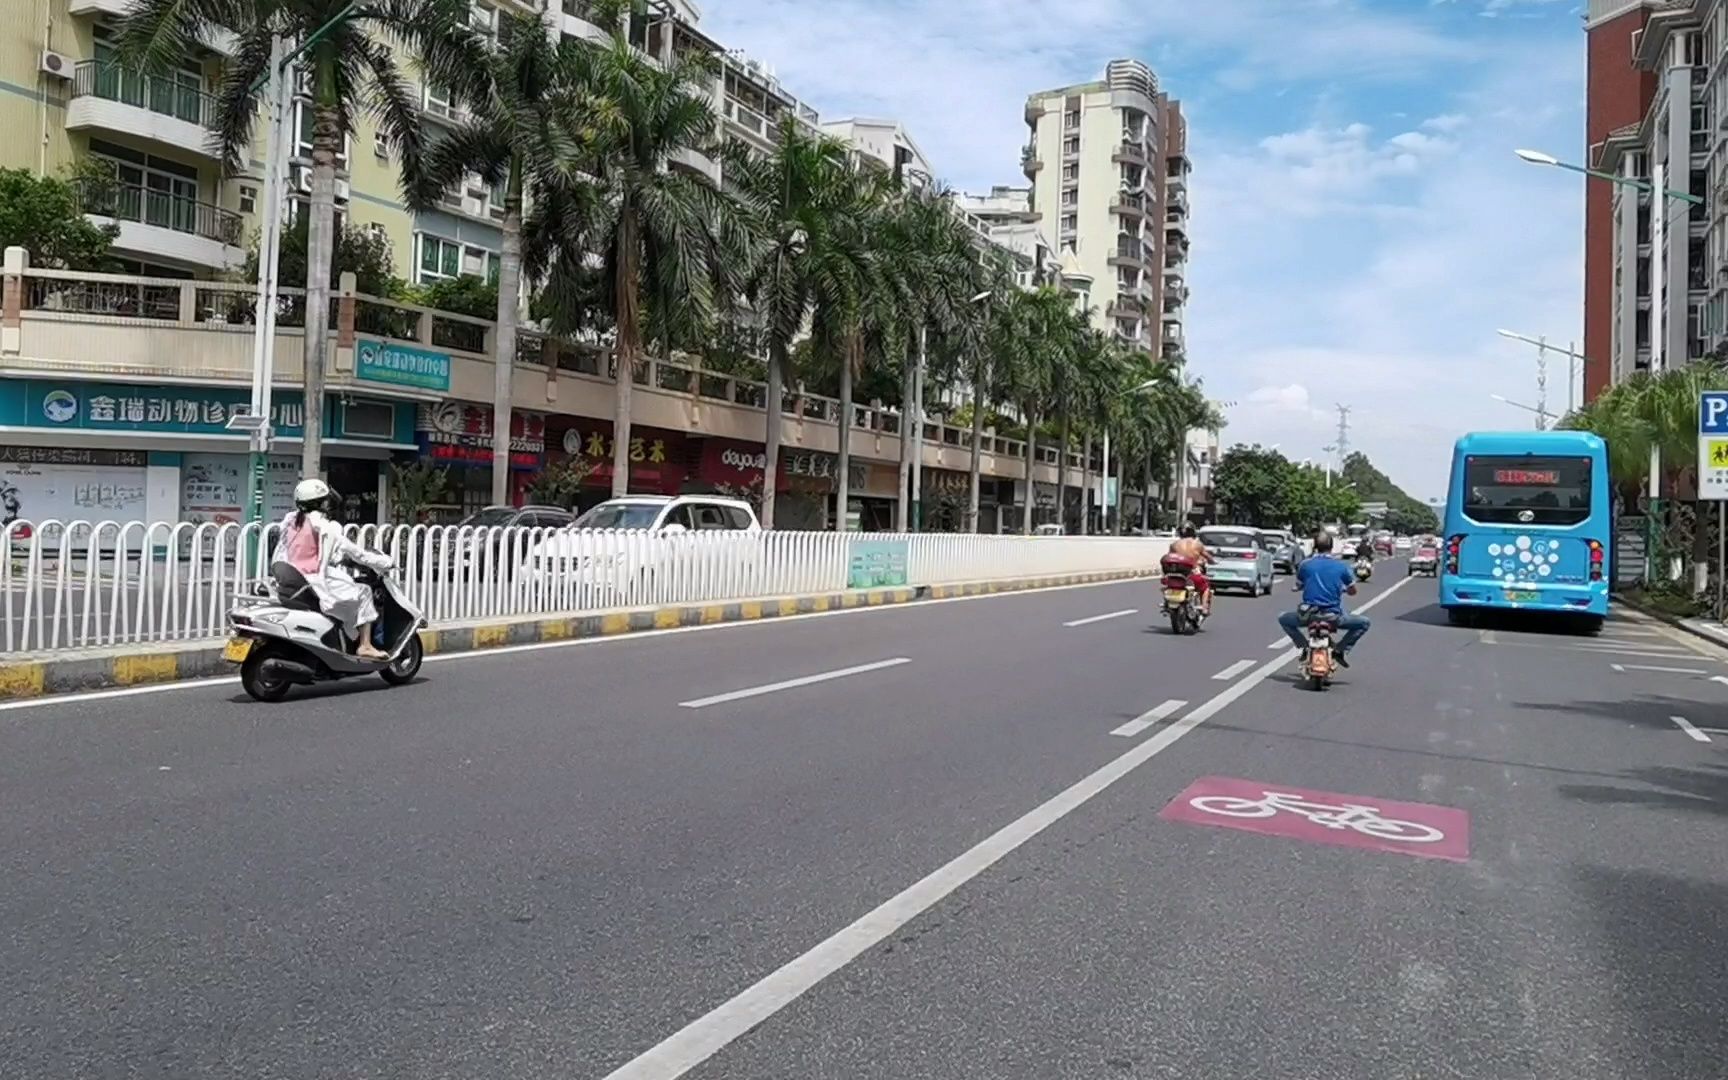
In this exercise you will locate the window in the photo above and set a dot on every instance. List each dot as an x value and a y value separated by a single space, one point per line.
1070 222
150 189
1071 171
1071 145
380 146
440 101
739 517
485 20
441 260
248 199
1527 489
678 515
1639 164
1071 197
1694 49
709 517
1071 119
303 136
369 419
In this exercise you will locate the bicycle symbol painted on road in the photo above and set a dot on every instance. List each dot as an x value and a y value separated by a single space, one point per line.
1324 817
1364 819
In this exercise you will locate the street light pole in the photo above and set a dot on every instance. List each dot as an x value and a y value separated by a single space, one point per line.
1573 361
1663 195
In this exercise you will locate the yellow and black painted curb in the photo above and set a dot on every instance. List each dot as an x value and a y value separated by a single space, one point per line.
105 669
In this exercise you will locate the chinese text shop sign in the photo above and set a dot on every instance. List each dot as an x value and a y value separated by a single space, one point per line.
173 410
401 365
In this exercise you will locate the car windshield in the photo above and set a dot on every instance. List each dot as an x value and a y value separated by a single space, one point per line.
1223 539
619 516
491 516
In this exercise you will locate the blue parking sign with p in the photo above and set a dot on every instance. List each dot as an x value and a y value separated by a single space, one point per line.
1713 412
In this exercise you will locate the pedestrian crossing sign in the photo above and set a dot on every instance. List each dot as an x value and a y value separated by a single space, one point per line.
1712 467
1719 453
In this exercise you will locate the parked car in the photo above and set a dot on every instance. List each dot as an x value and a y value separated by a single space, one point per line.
1239 560
1286 550
479 547
631 548
1051 529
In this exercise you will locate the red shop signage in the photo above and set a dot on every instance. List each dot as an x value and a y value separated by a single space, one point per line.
458 433
654 455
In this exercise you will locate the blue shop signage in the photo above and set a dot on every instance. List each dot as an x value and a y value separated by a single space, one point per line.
63 405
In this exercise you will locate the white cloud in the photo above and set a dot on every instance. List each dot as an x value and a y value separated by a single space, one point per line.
1344 254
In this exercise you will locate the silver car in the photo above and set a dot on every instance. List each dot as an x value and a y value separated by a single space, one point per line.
1286 550
1239 559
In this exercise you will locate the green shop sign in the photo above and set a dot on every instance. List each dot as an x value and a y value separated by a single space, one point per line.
401 365
873 564
72 406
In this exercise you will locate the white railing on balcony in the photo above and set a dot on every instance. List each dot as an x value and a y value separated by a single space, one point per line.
107 584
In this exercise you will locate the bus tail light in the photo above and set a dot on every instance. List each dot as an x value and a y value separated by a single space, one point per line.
1454 544
1597 556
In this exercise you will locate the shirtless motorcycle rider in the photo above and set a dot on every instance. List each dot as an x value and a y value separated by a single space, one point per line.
1187 545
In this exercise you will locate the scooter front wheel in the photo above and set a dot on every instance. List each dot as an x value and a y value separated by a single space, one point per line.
405 667
255 682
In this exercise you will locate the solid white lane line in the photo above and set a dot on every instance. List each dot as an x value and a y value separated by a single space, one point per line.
1723 679
1148 718
1686 726
710 1033
1654 667
1237 668
1281 643
1101 618
789 684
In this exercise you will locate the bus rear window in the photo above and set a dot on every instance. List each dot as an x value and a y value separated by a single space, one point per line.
1527 490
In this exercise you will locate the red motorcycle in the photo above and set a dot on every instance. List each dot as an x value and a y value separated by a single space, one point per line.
1183 587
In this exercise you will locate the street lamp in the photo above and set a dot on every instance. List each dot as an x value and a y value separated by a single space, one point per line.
1573 359
1541 413
978 436
1659 227
255 421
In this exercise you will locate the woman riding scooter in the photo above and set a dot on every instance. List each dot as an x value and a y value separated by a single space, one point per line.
314 545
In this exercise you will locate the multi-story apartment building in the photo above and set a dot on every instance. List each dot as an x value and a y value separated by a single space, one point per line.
180 216
1656 286
1109 170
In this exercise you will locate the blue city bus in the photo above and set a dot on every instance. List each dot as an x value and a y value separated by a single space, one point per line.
1529 520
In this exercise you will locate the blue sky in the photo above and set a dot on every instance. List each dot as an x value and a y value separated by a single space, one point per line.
1360 225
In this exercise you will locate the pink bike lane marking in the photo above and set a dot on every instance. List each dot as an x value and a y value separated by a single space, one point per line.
1324 817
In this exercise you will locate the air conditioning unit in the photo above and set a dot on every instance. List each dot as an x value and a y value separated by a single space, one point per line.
56 65
301 179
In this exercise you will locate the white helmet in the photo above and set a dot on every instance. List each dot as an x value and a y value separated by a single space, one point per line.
311 492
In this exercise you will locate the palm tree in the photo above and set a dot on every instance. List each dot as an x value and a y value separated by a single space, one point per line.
789 199
351 66
654 225
1033 329
524 100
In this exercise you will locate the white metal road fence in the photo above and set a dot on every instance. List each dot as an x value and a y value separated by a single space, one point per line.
82 584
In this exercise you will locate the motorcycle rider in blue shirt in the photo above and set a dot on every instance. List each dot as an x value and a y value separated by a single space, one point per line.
1325 580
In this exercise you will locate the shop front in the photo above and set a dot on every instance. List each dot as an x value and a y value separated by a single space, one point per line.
131 451
806 484
457 436
658 458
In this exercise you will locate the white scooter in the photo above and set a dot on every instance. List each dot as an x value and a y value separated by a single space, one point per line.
281 637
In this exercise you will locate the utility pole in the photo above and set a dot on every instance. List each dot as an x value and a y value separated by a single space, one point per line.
1343 443
1542 383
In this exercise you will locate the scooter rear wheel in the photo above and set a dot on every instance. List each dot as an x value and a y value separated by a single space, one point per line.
256 683
405 667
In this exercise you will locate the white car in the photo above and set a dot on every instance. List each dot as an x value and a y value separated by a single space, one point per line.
1401 544
655 549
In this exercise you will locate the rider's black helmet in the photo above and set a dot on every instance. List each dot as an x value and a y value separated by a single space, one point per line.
1188 531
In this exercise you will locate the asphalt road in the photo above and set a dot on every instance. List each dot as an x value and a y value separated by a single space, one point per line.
956 861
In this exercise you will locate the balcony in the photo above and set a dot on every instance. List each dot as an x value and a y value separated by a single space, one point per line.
1129 205
1136 255
1132 153
1029 163
164 226
106 97
746 119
